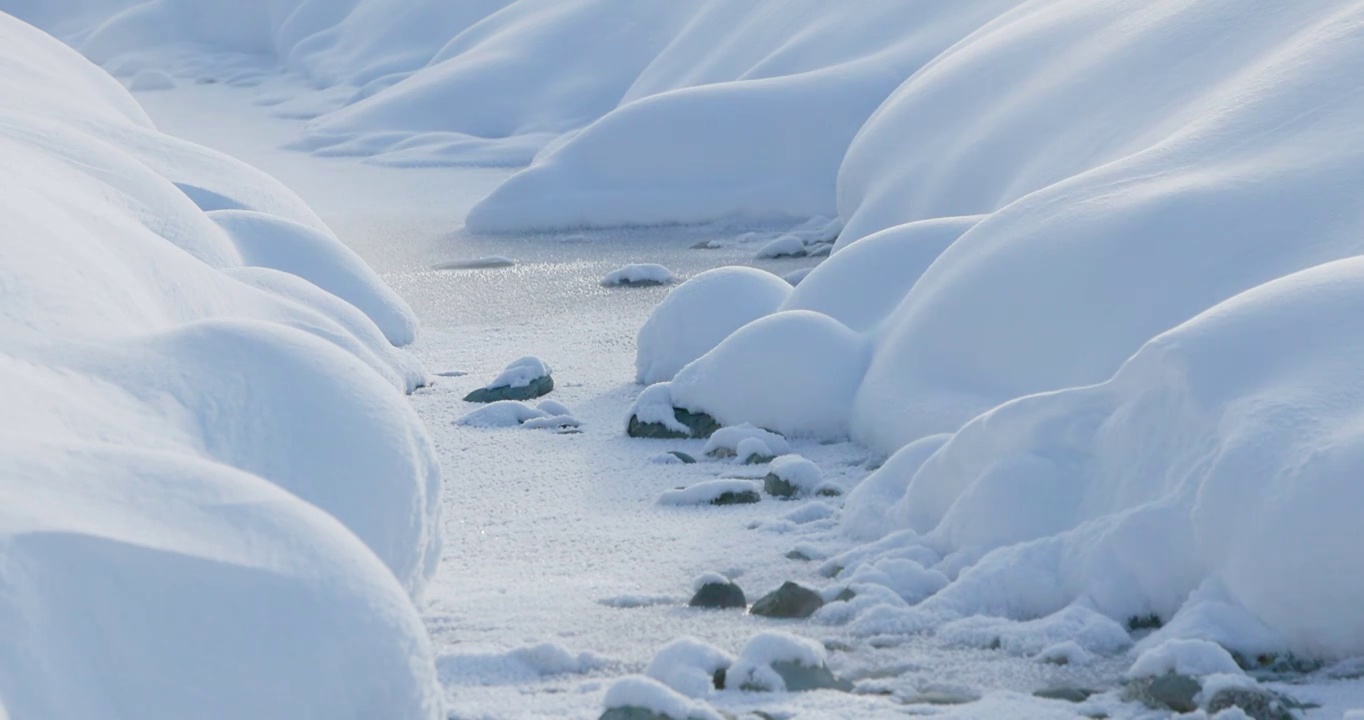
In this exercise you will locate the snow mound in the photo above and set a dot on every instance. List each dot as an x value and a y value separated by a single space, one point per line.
520 373
786 246
699 313
726 441
513 413
753 668
1222 455
636 691
794 372
639 274
688 666
801 474
1194 658
186 438
518 665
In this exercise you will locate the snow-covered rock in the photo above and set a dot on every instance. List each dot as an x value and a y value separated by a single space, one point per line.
523 379
714 492
794 372
652 697
639 275
701 312
776 661
688 666
727 442
792 476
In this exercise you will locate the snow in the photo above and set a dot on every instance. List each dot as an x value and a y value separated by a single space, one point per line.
801 473
784 246
185 438
520 372
688 665
726 441
754 665
794 372
705 492
642 692
513 413
699 313
639 274
655 405
1194 658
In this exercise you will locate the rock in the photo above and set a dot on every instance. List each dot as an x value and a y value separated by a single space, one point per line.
942 694
1255 702
759 459
1068 694
829 491
788 601
632 712
799 678
719 595
846 595
718 679
1164 692
685 458
777 487
536 388
798 555
699 425
743 497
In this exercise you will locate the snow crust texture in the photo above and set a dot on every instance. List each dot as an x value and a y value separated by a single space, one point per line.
215 500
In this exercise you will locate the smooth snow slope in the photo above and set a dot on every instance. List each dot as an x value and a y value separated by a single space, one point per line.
216 498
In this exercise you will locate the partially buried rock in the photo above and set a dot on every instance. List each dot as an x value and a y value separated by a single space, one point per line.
685 458
788 601
799 678
1170 691
741 497
524 379
693 425
1066 694
719 595
1257 703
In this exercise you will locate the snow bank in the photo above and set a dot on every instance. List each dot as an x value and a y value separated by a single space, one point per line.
794 372
184 437
699 313
1223 453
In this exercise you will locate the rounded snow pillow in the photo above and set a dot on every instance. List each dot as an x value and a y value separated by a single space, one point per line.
794 372
701 312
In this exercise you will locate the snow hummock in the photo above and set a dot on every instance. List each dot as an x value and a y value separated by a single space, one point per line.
513 413
209 473
727 441
639 274
795 372
802 474
783 247
754 666
520 373
688 665
649 694
707 491
701 312
1194 658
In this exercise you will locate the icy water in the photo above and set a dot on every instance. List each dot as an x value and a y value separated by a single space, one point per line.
555 538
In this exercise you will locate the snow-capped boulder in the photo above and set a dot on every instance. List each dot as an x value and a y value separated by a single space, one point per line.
639 275
777 661
523 379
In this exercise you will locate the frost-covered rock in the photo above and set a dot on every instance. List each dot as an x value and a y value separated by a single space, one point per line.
639 275
792 476
701 312
713 590
524 379
714 492
794 372
652 415
777 661
641 698
788 601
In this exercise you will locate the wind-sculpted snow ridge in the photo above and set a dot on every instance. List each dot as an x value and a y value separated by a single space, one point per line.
215 500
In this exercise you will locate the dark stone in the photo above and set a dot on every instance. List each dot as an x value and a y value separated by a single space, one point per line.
828 491
1144 622
1068 694
685 458
759 459
788 601
742 497
798 555
719 595
638 283
775 486
1164 692
536 388
632 712
799 678
699 425
1255 702
846 595
718 679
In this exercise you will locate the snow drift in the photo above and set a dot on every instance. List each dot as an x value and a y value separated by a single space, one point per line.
214 496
